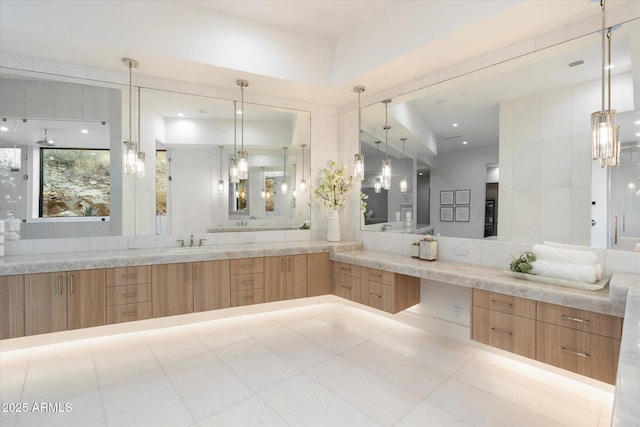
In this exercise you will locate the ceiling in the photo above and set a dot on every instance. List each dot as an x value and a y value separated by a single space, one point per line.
307 50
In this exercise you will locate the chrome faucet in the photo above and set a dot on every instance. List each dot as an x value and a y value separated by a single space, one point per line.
191 245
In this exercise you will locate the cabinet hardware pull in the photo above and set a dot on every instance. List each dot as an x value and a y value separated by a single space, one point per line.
575 353
197 271
247 266
346 269
289 264
376 275
248 282
129 276
130 294
71 284
501 331
375 296
246 298
130 313
346 287
575 319
506 304
282 265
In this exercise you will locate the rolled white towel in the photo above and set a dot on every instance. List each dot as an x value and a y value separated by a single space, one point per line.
564 256
579 273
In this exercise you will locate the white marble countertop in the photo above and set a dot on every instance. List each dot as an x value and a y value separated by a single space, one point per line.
44 263
620 298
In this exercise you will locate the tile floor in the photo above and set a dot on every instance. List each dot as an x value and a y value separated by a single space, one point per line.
321 365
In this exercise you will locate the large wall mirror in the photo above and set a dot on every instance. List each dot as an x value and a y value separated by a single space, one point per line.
61 152
505 152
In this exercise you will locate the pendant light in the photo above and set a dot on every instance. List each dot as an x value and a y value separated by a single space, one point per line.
358 165
233 168
403 184
132 160
386 163
605 135
284 186
220 180
377 185
303 182
263 194
243 164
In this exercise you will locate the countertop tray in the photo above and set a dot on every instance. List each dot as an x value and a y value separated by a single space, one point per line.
560 282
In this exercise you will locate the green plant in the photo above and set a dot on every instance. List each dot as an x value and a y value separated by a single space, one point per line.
89 211
363 201
333 185
522 264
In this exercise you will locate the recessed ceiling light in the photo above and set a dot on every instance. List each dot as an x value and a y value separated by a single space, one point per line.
180 115
420 173
455 125
465 142
638 122
84 131
638 134
4 129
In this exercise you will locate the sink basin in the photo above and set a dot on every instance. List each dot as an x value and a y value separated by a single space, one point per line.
191 249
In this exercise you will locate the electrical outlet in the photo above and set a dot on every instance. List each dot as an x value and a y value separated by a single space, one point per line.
461 251
456 311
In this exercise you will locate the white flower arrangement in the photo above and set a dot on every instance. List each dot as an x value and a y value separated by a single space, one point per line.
363 201
333 186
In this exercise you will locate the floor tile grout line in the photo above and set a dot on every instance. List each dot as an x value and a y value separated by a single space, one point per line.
95 369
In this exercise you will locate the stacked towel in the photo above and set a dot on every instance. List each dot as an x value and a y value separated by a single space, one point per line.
568 264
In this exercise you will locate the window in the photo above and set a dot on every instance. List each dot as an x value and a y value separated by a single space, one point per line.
161 182
74 182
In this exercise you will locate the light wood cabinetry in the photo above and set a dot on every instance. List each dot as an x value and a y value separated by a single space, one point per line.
346 281
211 290
247 284
172 289
128 294
285 277
65 300
388 291
319 274
11 306
576 340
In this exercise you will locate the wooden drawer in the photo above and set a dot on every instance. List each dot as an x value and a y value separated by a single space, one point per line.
242 282
346 286
375 275
121 276
505 331
504 303
344 268
587 354
117 295
128 312
248 297
377 295
596 323
247 265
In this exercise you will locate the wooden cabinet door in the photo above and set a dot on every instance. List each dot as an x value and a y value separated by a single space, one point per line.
506 331
296 276
319 274
172 289
211 285
275 270
86 298
347 286
45 303
11 306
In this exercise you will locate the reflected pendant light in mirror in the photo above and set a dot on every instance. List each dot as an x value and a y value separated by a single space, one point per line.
131 147
358 165
243 163
284 187
386 163
404 186
263 193
220 180
377 185
233 168
605 135
303 182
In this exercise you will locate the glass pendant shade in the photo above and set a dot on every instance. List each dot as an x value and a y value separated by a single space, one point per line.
605 136
404 186
377 186
233 172
263 194
221 186
243 166
130 157
303 185
386 174
358 167
284 187
140 165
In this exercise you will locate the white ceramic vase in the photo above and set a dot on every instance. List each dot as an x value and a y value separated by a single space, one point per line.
333 226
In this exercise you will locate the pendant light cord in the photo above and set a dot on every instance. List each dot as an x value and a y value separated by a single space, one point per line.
235 130
609 69
602 5
130 101
242 119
